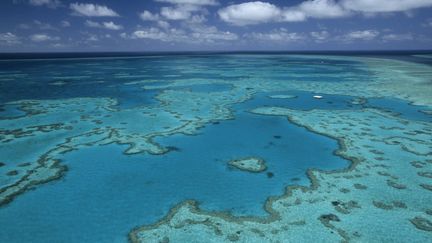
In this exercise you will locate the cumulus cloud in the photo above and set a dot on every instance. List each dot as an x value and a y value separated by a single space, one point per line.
197 19
148 16
43 37
179 10
92 10
104 25
48 3
250 13
397 37
163 24
191 2
175 13
36 24
261 12
320 36
385 5
24 26
93 24
9 39
43 26
65 23
277 35
92 38
112 26
192 34
428 23
292 15
361 35
322 9
151 33
210 34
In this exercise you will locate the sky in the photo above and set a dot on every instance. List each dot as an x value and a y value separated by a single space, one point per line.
214 25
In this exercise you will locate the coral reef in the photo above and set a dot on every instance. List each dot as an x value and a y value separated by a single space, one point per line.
250 164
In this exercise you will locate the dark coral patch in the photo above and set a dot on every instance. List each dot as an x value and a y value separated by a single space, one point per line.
421 223
426 186
425 174
360 186
24 164
396 185
329 217
382 205
12 173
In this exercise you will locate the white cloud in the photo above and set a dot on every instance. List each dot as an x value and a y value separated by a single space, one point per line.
194 34
163 24
277 35
322 9
92 38
191 2
397 37
36 24
92 10
104 25
43 37
250 13
257 12
261 12
112 26
320 36
292 15
65 23
150 33
48 3
385 5
148 16
93 24
24 26
58 45
180 12
428 23
124 35
9 39
210 34
197 19
43 26
361 35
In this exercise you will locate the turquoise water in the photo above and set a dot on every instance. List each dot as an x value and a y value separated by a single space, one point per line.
105 193
114 193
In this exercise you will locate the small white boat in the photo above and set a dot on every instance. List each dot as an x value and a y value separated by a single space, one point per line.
317 96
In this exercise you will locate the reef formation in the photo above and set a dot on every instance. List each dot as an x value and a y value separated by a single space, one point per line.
250 164
384 195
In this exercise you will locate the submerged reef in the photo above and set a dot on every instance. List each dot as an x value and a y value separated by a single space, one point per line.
339 205
283 96
388 183
96 121
250 164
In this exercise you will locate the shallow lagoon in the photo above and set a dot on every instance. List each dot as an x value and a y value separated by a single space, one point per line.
104 184
114 192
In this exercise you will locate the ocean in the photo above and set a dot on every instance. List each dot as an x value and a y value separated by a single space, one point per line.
111 147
